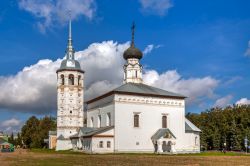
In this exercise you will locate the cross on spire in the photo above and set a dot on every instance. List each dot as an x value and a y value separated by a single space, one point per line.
133 34
70 49
69 13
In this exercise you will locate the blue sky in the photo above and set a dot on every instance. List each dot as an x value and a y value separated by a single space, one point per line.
198 39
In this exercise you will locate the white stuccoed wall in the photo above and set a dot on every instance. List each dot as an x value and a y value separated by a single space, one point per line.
150 109
101 107
126 135
102 111
190 145
69 98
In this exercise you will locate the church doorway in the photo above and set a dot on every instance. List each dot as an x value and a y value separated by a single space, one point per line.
166 146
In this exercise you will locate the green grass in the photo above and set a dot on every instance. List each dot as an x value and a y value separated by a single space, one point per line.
52 151
206 153
51 157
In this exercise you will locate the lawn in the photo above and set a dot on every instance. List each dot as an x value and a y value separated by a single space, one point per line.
49 157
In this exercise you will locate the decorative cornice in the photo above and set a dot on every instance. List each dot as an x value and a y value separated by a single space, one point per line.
132 94
60 70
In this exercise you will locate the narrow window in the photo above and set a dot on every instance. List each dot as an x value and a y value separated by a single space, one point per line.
136 120
135 74
101 144
195 141
62 79
91 122
164 121
108 144
108 120
79 80
99 121
71 79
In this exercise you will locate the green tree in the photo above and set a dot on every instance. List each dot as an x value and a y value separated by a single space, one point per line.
29 130
35 131
228 125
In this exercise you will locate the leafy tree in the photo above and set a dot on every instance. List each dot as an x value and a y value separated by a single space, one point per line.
35 131
29 130
11 139
18 139
228 125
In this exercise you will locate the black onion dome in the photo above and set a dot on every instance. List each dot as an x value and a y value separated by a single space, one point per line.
132 52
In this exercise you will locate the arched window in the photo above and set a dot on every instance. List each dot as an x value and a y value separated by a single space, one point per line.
136 120
108 144
91 122
79 80
62 79
195 141
71 79
164 121
99 121
108 120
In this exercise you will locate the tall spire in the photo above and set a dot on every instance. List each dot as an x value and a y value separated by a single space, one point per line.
70 50
133 34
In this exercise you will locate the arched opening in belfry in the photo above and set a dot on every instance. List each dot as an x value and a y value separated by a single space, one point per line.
79 80
71 79
62 79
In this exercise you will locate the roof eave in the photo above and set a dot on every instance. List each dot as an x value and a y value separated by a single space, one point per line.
133 93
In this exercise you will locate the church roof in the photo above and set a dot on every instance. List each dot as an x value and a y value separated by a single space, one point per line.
189 126
140 90
90 131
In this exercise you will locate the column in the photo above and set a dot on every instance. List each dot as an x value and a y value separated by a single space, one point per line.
159 143
173 147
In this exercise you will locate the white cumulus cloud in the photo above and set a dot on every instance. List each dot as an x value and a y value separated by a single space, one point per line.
157 7
224 101
11 125
33 89
51 13
149 48
11 122
194 88
243 101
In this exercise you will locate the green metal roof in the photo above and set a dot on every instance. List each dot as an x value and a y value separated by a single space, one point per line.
145 89
161 133
90 131
189 126
70 64
139 89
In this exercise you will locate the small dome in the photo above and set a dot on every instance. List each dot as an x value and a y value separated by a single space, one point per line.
70 64
132 52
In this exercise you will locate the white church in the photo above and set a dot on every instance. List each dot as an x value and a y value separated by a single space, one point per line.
134 117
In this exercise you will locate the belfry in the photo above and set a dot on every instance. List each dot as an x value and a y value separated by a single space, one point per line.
70 95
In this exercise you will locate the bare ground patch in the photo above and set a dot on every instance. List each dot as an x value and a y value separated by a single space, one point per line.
26 158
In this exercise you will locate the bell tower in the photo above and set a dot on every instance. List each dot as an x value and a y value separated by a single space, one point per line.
70 93
132 68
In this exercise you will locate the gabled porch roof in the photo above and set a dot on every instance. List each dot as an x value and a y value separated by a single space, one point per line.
161 133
